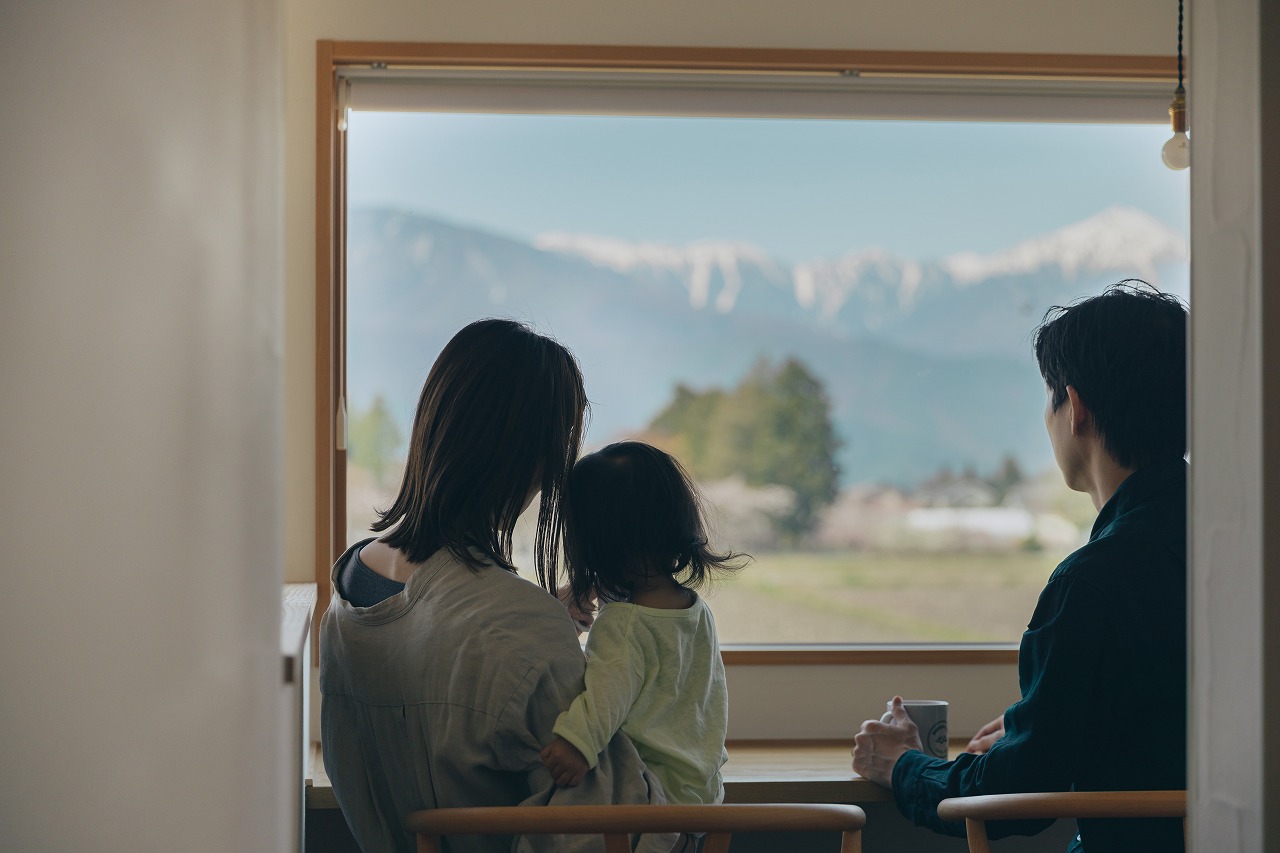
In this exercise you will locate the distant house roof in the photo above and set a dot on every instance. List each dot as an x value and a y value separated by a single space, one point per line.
960 492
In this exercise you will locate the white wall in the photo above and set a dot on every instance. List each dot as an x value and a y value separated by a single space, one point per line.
140 374
1235 540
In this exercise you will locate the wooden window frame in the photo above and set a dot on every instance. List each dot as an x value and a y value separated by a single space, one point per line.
334 56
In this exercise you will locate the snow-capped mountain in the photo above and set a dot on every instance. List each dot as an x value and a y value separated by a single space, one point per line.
926 363
918 302
1119 239
879 278
698 266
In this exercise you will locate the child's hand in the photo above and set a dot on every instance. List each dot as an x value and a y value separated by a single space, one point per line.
566 764
582 617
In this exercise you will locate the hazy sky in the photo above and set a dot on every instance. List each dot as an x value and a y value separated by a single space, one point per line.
801 189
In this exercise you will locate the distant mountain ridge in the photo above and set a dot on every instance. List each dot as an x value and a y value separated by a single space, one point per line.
867 289
926 363
1117 239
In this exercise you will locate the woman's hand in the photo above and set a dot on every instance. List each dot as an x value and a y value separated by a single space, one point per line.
566 764
986 736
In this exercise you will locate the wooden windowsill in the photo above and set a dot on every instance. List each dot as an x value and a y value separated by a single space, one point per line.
774 771
999 654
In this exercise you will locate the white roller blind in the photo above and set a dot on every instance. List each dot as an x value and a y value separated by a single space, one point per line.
754 95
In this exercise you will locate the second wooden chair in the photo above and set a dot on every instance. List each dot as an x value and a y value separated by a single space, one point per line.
976 811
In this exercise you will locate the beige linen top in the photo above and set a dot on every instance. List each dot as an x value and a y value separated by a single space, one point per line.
444 695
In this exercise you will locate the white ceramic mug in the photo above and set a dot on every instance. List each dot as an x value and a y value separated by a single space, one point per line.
930 716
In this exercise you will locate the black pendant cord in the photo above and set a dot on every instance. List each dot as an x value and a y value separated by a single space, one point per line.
1180 89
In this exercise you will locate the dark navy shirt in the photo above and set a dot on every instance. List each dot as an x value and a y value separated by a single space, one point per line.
1103 673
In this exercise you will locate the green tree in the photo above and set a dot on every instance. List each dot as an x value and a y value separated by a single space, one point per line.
774 428
373 439
793 442
688 418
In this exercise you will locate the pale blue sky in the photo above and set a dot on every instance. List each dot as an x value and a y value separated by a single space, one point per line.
798 189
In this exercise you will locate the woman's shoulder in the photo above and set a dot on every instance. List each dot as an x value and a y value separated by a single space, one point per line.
524 626
518 590
494 596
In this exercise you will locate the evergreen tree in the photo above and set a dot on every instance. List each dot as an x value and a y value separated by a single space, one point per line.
688 419
774 428
795 443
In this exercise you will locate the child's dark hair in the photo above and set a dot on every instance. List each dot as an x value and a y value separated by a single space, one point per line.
632 513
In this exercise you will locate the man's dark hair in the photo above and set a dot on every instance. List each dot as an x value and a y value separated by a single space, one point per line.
1125 353
500 415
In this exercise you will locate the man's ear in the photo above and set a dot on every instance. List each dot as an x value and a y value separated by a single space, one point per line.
1079 413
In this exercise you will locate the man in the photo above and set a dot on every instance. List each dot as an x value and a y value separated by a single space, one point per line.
1102 665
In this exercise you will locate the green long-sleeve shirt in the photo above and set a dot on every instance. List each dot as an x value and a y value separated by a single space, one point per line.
657 676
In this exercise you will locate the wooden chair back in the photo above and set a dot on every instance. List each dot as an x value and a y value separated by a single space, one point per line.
976 811
617 823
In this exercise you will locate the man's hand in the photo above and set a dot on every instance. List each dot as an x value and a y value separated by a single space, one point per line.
986 736
566 764
878 746
584 615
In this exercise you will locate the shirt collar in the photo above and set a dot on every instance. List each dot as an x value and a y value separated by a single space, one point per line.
1137 488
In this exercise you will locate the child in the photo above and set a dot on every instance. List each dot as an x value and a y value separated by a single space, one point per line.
634 537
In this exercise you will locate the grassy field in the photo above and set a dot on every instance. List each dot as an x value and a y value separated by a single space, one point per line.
849 596
853 597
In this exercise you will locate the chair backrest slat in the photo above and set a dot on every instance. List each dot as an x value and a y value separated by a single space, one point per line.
717 842
1087 804
975 832
616 823
976 811
617 843
851 842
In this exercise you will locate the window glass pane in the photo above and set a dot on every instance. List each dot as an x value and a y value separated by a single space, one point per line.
827 321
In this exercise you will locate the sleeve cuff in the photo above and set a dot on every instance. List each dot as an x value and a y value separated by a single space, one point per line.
579 743
907 794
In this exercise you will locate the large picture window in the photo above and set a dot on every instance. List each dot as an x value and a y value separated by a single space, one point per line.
826 319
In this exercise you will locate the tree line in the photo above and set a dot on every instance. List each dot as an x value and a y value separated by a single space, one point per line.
772 428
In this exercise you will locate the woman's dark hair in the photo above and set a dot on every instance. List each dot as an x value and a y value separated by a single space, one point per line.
631 513
1125 353
500 415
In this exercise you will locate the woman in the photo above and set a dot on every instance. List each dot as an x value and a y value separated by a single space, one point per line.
442 670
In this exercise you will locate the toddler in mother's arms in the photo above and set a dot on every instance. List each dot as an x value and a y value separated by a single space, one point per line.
634 537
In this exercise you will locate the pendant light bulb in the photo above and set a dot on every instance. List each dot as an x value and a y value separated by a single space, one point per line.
1177 151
